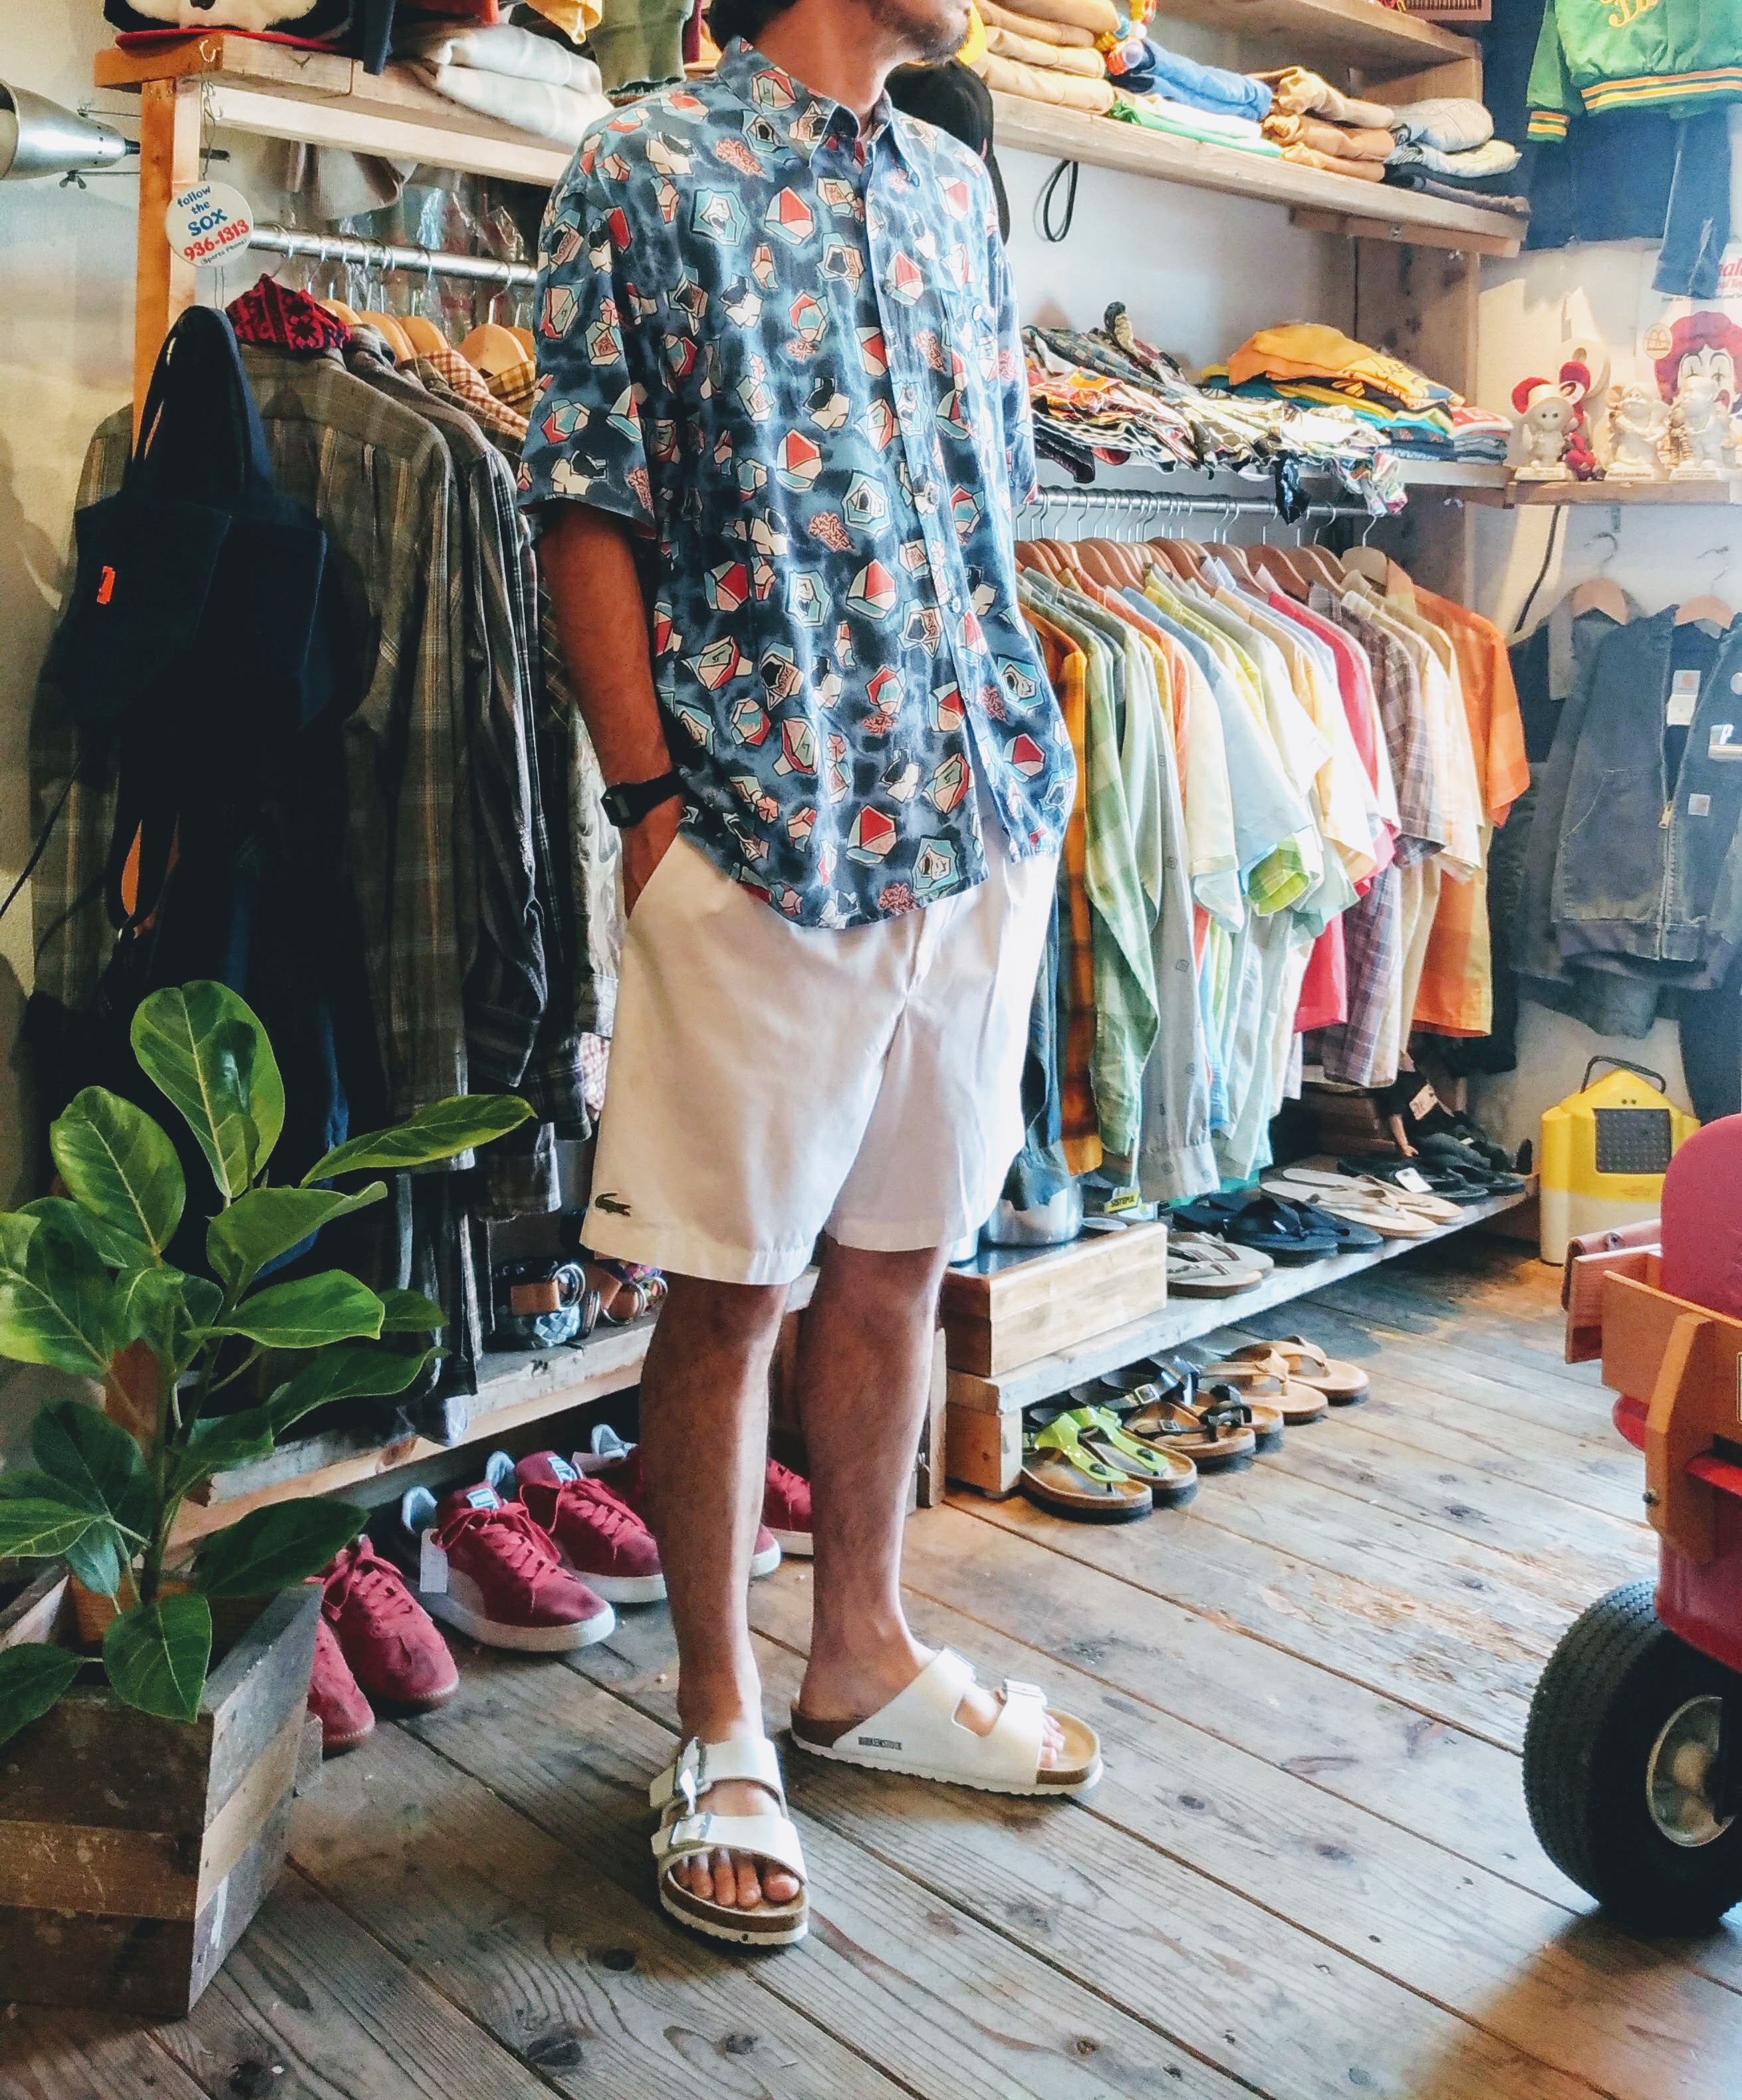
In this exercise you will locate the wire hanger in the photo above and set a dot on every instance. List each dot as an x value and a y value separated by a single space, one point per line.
1707 606
1601 593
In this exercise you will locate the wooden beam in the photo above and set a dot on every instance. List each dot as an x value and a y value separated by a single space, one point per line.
169 161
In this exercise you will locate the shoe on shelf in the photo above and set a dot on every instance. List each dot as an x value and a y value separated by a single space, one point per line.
617 1465
486 1566
335 1698
388 1640
601 1538
786 1509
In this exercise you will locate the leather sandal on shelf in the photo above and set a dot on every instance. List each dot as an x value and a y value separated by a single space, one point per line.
1343 1384
1215 1431
1170 1476
1199 1265
917 1733
687 1831
1061 1474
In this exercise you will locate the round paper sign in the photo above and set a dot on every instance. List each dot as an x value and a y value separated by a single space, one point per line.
208 222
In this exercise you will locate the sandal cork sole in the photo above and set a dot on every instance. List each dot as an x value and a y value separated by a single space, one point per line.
1056 1484
769 1924
819 1739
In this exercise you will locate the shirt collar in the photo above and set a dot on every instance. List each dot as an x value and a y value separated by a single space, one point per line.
799 118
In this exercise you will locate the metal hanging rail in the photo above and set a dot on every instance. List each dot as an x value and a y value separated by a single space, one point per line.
1134 503
378 255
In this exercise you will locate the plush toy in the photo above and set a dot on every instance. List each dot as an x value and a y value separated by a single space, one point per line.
1552 425
322 21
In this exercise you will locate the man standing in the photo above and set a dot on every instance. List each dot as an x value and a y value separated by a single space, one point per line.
781 420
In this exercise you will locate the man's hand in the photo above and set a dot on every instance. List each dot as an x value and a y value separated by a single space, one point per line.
645 844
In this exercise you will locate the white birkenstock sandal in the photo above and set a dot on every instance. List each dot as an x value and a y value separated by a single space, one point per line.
687 1833
917 1733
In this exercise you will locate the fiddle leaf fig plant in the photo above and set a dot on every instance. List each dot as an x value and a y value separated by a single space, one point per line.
86 1288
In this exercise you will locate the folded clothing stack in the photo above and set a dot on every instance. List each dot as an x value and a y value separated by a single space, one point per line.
1049 52
1158 112
1445 141
532 83
1308 363
1317 126
1138 66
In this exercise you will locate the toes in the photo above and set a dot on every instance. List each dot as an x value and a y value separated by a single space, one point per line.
725 1880
779 1887
701 1879
749 1889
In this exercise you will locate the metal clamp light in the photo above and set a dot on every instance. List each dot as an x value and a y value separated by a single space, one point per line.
37 136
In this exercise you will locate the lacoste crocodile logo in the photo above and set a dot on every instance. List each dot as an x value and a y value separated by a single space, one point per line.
614 1204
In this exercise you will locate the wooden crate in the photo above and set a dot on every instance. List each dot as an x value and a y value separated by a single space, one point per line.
1015 1305
134 1850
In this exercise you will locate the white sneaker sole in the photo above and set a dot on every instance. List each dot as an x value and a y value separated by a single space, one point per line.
625 1589
539 1640
797 1543
765 1564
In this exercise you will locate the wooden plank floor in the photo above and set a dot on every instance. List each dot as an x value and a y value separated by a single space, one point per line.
1308 1873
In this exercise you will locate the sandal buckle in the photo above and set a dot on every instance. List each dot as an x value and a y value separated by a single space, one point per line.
692 1830
1016 1689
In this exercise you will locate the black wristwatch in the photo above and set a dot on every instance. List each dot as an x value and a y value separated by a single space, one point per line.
627 806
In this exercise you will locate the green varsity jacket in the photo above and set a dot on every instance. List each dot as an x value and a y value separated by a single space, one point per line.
1679 56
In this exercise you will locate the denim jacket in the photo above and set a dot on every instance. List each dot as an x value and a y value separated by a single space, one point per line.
1648 868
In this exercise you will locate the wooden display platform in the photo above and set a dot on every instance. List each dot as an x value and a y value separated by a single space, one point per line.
1011 1304
984 1435
1374 40
1719 494
1339 203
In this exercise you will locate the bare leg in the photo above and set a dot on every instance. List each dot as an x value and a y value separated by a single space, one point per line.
705 1437
865 1369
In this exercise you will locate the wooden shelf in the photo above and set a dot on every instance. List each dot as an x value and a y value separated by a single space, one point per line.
1710 494
1361 34
984 1435
514 1388
280 93
1323 203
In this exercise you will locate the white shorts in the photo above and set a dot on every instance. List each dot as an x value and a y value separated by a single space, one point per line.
769 1081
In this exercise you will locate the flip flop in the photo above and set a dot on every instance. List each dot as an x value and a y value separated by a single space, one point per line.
1460 1156
1265 1382
917 1733
1282 1230
1381 1214
685 1832
1344 1384
1199 1265
1059 1474
1421 1176
1171 1476
1321 1186
1168 1410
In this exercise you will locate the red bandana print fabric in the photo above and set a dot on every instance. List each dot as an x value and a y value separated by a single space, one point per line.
276 318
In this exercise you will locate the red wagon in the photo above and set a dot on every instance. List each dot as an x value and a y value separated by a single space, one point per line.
1633 1753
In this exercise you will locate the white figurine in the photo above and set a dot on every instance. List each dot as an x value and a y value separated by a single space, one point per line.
1549 411
1698 428
1639 416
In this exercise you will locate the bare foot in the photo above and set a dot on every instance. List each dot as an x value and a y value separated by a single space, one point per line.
739 1880
854 1692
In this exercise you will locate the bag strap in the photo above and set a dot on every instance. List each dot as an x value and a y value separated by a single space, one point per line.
200 426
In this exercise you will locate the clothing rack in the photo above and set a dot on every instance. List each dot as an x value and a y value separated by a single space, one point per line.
377 256
1135 505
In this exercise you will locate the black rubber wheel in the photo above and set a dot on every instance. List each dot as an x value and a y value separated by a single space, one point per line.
1623 1709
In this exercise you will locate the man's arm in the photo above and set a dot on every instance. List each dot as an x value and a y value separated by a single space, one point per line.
595 595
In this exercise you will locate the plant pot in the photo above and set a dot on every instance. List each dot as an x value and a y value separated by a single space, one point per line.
134 1851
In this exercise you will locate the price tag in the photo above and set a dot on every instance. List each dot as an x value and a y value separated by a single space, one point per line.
1684 699
207 223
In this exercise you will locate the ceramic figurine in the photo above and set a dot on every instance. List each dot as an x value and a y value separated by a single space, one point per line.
1639 416
1550 412
1698 428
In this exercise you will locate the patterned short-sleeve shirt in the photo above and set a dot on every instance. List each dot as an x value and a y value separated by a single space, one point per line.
790 350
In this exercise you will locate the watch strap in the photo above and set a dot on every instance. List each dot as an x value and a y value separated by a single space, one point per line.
628 803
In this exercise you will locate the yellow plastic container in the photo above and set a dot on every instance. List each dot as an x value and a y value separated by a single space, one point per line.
1604 1150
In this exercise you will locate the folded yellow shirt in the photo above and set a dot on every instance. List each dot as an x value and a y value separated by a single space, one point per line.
1312 350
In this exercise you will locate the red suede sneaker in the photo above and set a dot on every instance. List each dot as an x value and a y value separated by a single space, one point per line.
335 1698
616 1467
602 1539
385 1636
786 1509
487 1567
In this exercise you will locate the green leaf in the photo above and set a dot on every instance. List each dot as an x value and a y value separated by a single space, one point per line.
37 1528
220 1442
22 1484
307 1313
155 1656
58 1305
33 1676
410 1313
352 1372
436 1133
92 1461
170 1312
270 1548
114 1248
120 1165
203 1046
98 1558
265 1223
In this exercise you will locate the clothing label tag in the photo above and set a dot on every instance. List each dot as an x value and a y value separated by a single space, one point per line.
1425 1100
1407 1177
432 1568
1699 806
1684 697
209 222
